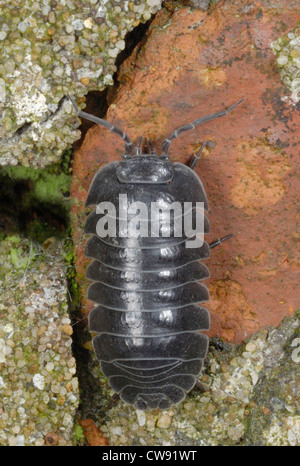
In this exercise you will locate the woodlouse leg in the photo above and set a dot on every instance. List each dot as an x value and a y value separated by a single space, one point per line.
152 148
211 144
138 146
201 386
219 241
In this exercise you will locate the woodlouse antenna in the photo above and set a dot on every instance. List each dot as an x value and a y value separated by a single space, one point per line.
166 143
99 121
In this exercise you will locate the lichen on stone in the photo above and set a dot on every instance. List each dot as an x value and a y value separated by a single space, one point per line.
51 49
287 51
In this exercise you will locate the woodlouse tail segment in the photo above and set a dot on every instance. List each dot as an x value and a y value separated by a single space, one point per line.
219 241
99 121
166 143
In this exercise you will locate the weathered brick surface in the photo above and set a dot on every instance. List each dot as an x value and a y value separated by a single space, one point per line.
192 64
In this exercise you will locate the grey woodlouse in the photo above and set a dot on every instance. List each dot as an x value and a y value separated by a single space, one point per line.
147 320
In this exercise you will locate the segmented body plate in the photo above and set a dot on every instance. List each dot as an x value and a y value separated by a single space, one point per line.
147 318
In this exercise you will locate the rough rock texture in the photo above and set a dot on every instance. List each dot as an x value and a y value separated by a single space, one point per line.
252 398
194 63
38 390
203 4
50 49
92 434
287 49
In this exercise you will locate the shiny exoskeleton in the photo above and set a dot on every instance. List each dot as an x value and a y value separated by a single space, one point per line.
148 291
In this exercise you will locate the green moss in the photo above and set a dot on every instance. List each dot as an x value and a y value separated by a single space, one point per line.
17 258
46 186
74 289
78 434
13 239
19 254
37 199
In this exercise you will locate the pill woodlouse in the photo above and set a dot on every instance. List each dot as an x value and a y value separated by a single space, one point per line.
147 318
